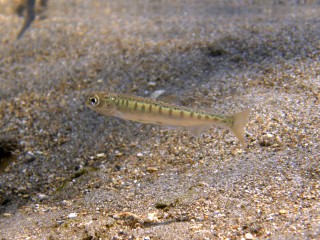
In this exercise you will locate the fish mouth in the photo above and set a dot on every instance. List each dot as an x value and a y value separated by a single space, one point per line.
87 100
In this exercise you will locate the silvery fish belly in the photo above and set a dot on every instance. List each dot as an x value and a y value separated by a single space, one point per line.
147 110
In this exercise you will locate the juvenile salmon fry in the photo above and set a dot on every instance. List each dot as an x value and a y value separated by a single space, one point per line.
147 110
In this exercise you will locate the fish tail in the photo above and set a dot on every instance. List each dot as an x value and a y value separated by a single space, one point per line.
240 120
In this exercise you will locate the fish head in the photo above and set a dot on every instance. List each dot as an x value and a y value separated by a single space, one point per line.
101 102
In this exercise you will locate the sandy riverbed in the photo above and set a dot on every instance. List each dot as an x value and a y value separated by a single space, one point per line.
79 175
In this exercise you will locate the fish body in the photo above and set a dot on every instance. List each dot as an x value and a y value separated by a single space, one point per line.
152 111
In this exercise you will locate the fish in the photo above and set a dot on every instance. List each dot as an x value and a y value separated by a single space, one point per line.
152 111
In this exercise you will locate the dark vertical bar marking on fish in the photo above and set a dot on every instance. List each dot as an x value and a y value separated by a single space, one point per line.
199 116
170 112
150 108
135 106
160 110
143 108
181 114
213 119
191 114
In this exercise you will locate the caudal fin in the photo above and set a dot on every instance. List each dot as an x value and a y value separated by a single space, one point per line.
239 123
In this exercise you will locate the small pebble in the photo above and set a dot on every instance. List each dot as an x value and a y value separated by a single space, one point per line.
101 155
152 217
42 196
139 154
72 215
196 227
152 84
236 151
21 189
283 211
248 236
30 157
118 154
7 214
151 169
269 135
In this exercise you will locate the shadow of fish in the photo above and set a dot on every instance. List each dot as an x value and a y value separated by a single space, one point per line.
27 8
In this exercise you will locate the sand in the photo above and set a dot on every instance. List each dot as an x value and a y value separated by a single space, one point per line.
80 175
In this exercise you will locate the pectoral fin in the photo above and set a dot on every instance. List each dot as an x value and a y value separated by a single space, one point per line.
197 130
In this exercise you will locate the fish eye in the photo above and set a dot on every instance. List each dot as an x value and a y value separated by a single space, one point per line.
94 101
